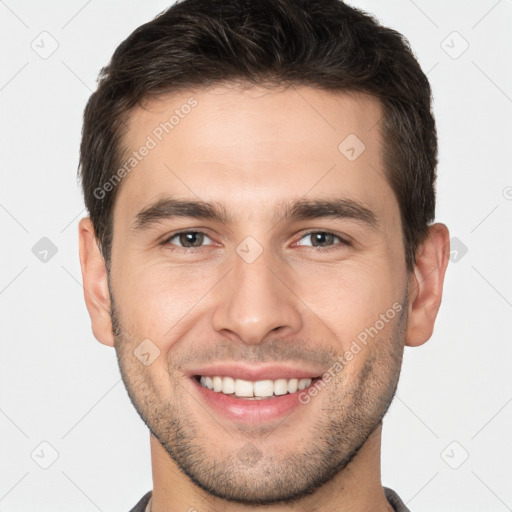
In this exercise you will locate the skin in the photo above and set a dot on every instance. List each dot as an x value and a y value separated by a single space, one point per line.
300 302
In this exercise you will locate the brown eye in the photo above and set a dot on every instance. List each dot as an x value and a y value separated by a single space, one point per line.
322 239
188 239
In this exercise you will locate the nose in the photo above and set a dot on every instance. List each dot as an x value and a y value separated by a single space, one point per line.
257 299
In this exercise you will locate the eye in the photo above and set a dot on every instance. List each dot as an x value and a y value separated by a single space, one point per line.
187 239
322 239
196 239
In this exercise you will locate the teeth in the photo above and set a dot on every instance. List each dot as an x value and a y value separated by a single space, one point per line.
303 384
228 385
258 389
280 387
264 388
293 385
217 383
243 388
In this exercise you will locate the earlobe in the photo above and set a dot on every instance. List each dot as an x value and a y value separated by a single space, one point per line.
426 285
95 283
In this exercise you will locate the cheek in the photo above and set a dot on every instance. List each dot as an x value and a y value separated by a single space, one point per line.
349 298
156 298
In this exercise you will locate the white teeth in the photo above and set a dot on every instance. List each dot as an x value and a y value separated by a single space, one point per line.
228 385
280 387
243 388
264 388
217 383
303 384
249 389
293 385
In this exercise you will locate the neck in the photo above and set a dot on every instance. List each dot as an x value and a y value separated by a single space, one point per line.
356 488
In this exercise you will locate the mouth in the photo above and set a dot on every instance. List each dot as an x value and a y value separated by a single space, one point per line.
253 394
266 389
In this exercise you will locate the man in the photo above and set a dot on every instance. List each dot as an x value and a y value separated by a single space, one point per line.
260 248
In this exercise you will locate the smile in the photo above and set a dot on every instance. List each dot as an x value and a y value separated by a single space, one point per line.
255 390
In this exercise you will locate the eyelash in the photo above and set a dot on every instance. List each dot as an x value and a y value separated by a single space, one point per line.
343 241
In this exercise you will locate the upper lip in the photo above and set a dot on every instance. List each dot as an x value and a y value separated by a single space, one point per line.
255 372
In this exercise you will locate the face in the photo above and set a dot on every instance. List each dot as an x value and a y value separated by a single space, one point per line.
257 244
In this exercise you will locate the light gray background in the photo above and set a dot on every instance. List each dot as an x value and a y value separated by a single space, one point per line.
60 386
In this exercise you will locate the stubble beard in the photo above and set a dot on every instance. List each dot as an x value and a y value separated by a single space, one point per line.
350 413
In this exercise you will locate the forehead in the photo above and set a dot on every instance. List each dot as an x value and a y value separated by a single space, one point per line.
250 148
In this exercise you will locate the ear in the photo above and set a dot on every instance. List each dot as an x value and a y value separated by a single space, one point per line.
95 283
426 285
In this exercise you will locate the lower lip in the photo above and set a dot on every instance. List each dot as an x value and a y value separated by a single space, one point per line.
249 411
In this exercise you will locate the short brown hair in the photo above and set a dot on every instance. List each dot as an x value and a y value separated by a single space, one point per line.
319 43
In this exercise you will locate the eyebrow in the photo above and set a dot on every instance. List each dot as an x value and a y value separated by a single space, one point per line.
170 208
